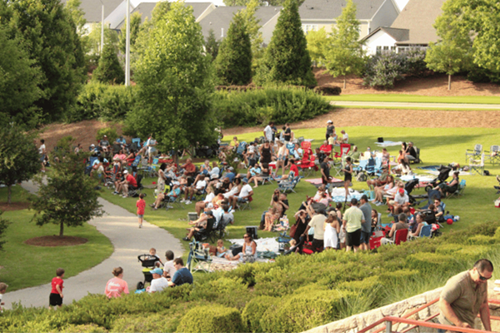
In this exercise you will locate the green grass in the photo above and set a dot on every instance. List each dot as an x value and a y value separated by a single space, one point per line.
409 108
416 98
438 146
27 266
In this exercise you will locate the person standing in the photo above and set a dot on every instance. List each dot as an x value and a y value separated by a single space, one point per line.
347 175
268 132
353 218
56 294
366 227
141 205
318 223
43 152
287 135
465 295
330 129
116 286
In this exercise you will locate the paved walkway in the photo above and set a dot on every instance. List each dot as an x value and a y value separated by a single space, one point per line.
452 106
121 227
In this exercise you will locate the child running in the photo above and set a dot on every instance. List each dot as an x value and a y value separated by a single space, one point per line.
3 289
141 205
56 295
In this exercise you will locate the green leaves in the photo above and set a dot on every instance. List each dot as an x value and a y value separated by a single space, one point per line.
234 62
109 69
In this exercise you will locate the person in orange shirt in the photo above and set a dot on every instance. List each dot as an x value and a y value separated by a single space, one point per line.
141 205
116 286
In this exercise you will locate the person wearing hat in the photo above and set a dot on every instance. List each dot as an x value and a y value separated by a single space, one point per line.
128 182
104 143
159 282
330 129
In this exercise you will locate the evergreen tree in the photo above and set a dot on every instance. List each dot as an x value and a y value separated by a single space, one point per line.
53 43
212 45
175 83
253 29
316 42
68 197
287 59
135 28
234 62
344 53
109 69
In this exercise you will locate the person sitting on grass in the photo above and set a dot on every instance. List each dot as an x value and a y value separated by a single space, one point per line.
249 250
116 286
254 171
221 250
182 274
159 282
271 217
447 188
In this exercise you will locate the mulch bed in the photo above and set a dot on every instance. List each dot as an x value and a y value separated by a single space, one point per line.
56 241
14 206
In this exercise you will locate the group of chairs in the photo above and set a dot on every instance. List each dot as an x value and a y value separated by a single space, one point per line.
477 157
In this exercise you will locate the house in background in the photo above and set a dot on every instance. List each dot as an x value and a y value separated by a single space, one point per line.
371 14
114 12
412 30
219 19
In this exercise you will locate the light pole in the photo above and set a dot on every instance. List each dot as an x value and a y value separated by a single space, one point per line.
127 47
102 26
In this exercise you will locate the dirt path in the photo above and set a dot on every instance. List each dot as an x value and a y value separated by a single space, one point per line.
392 118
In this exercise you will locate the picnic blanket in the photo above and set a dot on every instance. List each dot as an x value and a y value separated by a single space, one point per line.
421 178
338 194
318 181
389 143
263 244
435 172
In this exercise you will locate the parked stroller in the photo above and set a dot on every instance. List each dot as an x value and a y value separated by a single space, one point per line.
148 263
444 173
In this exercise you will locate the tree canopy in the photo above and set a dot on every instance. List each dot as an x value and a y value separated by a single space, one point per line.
175 83
234 61
286 59
344 52
68 197
109 69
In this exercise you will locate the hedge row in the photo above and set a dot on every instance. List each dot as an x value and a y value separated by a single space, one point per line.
294 294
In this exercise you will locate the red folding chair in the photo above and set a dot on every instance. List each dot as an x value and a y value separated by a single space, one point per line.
344 150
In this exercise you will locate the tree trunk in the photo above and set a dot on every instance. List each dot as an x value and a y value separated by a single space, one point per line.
9 194
61 229
344 81
449 82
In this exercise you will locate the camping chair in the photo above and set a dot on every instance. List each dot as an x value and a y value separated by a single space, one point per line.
134 192
400 236
360 170
493 154
344 150
417 159
288 184
460 189
291 148
199 258
242 205
425 231
477 165
207 232
474 153
175 201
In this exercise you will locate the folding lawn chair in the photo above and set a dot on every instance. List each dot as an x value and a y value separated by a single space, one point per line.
199 258
474 153
494 154
460 190
400 236
425 231
344 150
242 205
477 165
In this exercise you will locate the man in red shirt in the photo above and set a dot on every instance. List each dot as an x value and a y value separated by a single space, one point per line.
189 170
129 182
293 168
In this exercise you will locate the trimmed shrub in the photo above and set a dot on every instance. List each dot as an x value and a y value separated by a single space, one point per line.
328 91
278 104
90 328
425 262
211 318
99 100
256 309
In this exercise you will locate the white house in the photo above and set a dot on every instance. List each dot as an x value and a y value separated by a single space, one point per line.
412 29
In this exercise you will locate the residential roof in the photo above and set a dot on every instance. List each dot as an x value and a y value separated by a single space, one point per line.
146 9
221 17
418 17
331 9
93 8
399 35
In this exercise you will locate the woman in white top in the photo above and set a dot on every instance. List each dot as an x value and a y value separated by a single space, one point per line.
160 184
282 155
332 230
249 250
234 190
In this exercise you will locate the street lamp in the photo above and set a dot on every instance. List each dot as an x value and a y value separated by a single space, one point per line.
127 47
102 26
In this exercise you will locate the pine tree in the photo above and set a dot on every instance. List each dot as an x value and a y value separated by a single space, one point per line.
286 59
253 29
212 45
53 43
234 62
344 53
109 69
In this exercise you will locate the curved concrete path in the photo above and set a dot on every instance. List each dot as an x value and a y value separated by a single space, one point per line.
121 227
452 106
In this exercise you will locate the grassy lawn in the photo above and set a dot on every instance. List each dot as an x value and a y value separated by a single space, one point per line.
416 98
438 146
410 108
43 261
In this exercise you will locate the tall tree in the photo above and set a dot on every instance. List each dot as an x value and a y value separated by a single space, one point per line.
287 59
245 2
19 158
234 62
135 28
316 42
53 43
453 51
253 29
77 15
19 80
92 43
212 45
109 69
344 53
68 197
175 83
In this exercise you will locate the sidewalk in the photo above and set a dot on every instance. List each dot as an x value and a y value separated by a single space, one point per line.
121 227
452 106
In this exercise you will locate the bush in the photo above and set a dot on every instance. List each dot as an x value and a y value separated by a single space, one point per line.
278 104
328 91
211 318
109 132
99 100
256 309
